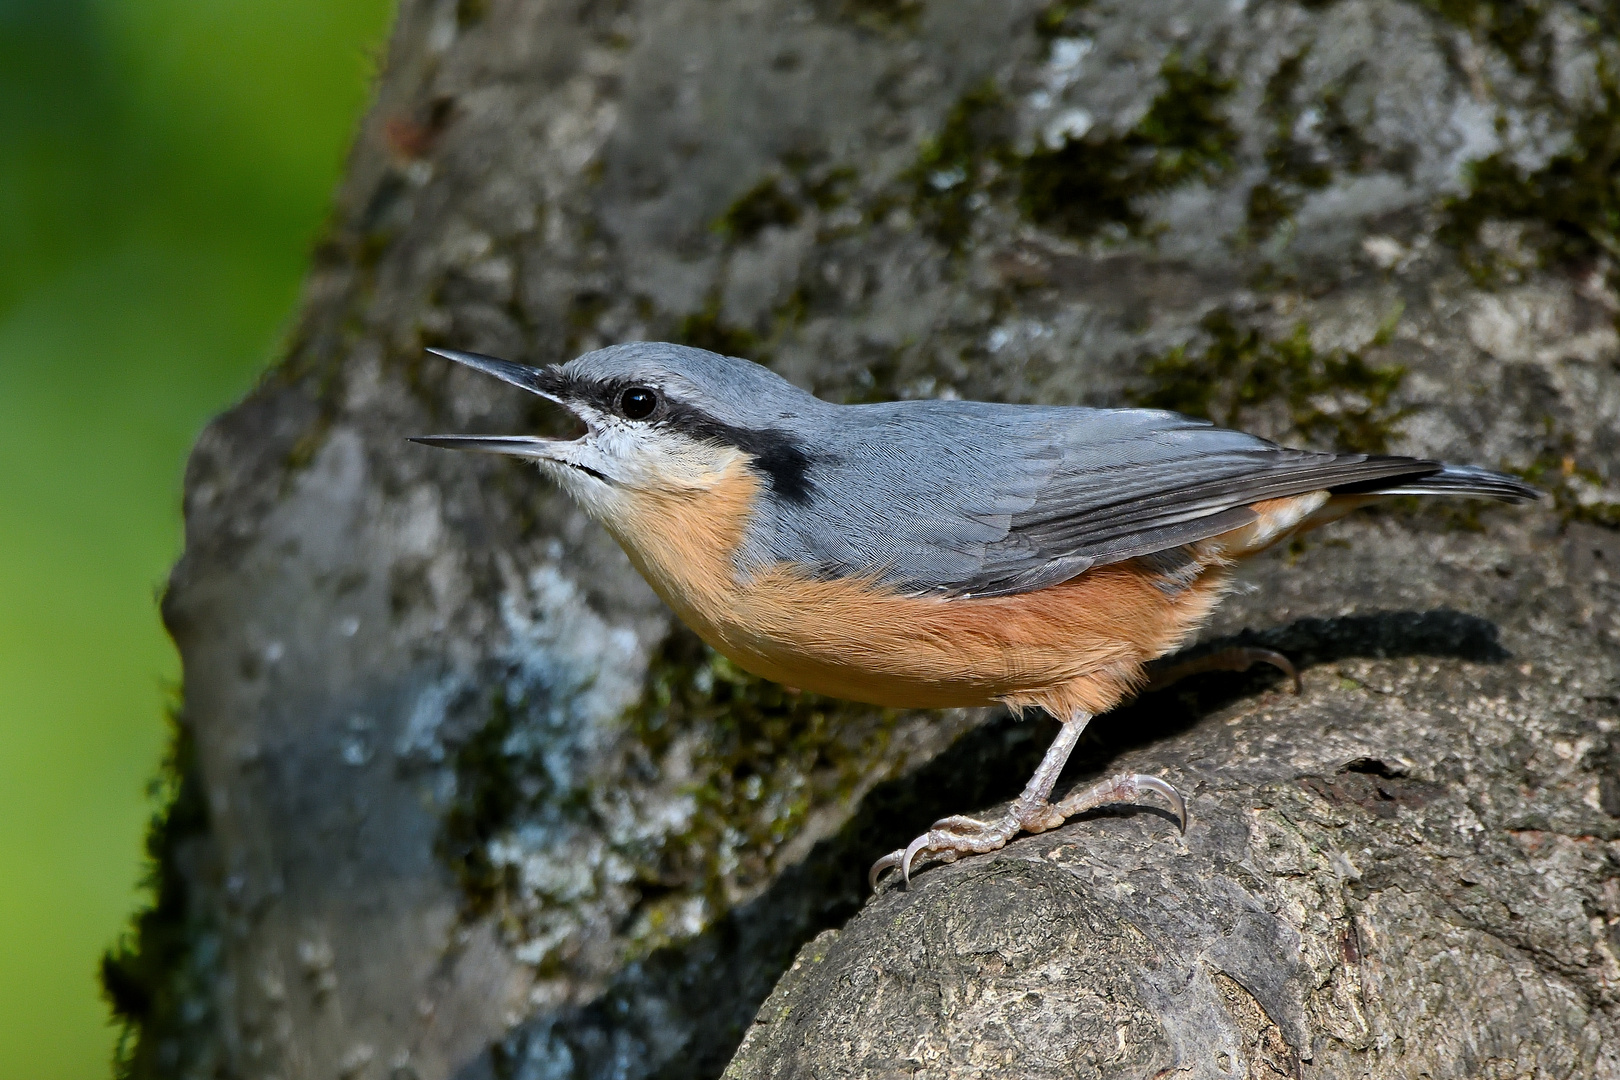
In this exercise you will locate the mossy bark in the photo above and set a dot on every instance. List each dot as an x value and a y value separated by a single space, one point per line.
463 802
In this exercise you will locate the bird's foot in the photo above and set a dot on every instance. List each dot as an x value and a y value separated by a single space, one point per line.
948 839
1123 788
952 837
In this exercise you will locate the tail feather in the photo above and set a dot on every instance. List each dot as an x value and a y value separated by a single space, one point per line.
1467 480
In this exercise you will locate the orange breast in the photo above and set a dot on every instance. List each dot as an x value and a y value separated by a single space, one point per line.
1072 647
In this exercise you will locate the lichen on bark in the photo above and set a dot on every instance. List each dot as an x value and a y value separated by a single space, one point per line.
717 777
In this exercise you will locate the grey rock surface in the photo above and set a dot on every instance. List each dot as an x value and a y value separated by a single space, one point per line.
472 807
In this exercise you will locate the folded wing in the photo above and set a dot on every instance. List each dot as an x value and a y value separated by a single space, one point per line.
960 498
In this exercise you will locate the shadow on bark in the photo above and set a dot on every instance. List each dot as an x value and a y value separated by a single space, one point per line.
686 1008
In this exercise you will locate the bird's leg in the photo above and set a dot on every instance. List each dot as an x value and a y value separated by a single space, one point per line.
952 837
1231 658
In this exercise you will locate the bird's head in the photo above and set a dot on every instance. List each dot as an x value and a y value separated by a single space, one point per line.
658 418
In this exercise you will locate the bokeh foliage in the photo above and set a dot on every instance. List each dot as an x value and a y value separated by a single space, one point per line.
164 167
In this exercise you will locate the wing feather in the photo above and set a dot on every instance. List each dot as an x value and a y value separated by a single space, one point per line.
963 498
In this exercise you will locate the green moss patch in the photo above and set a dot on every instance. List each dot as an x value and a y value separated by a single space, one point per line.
156 979
1335 399
952 167
759 758
1088 183
706 330
829 187
882 14
1569 208
1513 26
1295 166
723 770
807 183
1060 19
493 785
761 206
1301 158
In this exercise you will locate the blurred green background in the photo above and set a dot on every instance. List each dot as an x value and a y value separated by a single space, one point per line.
164 167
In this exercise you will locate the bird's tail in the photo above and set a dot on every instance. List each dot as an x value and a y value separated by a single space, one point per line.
1467 480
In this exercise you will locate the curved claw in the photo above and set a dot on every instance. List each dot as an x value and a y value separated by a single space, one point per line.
888 862
947 841
919 844
906 856
1178 806
1278 661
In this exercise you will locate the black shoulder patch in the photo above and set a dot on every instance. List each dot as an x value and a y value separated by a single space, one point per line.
781 459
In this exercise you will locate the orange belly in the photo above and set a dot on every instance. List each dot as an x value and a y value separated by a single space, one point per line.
1078 646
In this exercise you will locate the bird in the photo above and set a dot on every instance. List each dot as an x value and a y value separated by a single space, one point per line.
936 553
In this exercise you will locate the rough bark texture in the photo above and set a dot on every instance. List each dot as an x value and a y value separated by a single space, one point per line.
456 799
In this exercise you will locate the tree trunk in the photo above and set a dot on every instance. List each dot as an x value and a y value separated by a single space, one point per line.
456 798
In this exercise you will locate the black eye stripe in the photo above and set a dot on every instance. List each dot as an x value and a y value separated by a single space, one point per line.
777 455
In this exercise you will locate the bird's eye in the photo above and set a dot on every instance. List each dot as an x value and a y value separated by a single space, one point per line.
638 402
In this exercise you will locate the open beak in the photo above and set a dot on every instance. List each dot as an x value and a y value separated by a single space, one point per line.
525 446
535 380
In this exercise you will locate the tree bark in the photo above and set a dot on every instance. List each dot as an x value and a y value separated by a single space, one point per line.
457 799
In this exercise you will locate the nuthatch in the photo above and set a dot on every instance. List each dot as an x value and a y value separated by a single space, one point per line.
934 554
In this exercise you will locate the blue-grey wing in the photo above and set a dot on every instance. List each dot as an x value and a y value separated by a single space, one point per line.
971 498
914 495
